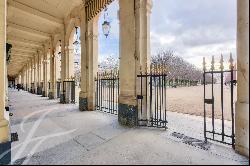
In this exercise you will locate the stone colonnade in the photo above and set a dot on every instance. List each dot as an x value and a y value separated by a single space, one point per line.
134 16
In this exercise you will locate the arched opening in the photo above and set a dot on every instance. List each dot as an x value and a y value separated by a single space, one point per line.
107 79
58 59
47 74
73 66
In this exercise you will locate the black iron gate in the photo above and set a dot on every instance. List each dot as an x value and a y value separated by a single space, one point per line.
58 89
152 101
219 81
32 89
107 92
69 88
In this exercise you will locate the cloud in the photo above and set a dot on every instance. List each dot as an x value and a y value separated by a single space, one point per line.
193 28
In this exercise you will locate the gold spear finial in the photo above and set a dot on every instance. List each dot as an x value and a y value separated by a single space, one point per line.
150 68
222 62
231 62
146 68
140 70
212 63
204 64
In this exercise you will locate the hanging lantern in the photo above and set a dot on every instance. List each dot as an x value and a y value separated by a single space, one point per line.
106 24
60 48
76 42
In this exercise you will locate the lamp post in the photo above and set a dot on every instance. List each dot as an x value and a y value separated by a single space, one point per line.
106 24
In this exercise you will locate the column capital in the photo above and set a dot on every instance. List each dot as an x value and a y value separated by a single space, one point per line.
92 36
145 5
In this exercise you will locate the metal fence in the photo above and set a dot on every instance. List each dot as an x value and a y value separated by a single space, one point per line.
218 131
152 101
58 89
69 88
107 91
32 89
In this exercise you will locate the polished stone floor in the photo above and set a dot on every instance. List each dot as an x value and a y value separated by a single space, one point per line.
52 133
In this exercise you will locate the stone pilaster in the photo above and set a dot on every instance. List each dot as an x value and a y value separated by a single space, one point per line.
63 67
69 69
127 100
4 124
242 105
52 91
45 74
39 91
92 52
35 74
83 96
134 52
143 53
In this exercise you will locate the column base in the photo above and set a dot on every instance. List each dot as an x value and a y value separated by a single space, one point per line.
62 99
83 104
39 91
5 148
127 115
242 128
43 94
51 96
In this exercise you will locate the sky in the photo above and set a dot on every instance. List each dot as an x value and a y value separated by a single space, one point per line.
191 28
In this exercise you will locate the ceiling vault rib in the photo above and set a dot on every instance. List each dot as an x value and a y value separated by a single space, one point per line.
28 30
36 13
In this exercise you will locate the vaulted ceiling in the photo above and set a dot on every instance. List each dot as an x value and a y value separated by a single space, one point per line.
30 24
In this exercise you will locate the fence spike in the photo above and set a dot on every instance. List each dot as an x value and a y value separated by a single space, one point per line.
212 63
140 69
222 62
146 68
231 61
204 64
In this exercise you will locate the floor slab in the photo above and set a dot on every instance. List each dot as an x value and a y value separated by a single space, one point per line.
53 133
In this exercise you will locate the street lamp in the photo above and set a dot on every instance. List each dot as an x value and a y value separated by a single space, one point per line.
76 43
106 24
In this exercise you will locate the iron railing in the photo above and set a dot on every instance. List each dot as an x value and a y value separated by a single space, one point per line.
107 92
152 101
217 132
69 88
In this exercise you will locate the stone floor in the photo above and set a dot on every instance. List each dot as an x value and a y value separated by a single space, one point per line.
52 133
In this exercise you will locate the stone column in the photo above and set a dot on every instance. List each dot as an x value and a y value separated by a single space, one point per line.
52 92
83 96
28 77
143 53
32 73
22 77
45 74
39 73
134 52
92 53
25 78
35 73
69 68
4 124
63 67
242 105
